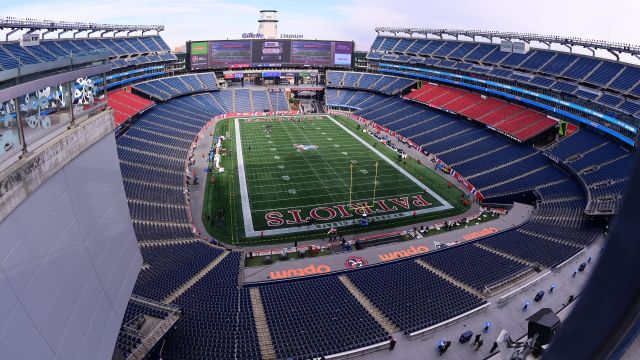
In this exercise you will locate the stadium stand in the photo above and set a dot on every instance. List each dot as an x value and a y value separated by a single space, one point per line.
602 165
170 266
571 76
427 299
469 264
125 51
125 105
385 84
324 306
218 319
519 122
169 87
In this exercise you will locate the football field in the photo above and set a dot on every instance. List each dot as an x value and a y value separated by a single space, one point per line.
299 175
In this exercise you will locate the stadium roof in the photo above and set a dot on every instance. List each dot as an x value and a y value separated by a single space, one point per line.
32 25
614 48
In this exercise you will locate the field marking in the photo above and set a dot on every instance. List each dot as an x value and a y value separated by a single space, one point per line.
246 207
244 192
396 166
313 168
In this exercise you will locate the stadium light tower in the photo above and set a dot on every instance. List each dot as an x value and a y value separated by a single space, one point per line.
268 24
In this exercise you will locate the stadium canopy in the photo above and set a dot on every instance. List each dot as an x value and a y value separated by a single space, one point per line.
33 25
612 47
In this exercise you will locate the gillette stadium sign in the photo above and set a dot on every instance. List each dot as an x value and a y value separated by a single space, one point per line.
251 35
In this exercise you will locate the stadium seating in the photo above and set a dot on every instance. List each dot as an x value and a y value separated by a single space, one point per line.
411 296
322 306
126 104
602 165
167 88
170 266
534 249
217 319
476 267
384 84
519 122
134 50
217 316
550 70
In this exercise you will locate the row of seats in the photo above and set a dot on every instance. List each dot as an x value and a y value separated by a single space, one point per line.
600 84
159 231
385 84
157 212
520 122
169 87
125 105
603 166
595 71
169 266
12 54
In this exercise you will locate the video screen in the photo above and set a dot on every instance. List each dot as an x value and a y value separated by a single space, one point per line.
225 53
342 53
269 53
311 52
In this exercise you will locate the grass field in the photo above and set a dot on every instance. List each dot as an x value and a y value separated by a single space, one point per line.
333 182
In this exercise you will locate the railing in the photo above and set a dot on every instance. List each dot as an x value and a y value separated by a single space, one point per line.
505 299
34 112
453 321
359 352
557 268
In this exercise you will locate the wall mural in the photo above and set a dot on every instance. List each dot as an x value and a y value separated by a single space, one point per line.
9 139
84 92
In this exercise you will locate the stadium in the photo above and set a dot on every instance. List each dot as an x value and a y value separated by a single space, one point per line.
443 193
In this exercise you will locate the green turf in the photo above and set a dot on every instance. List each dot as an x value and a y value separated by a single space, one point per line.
318 176
340 171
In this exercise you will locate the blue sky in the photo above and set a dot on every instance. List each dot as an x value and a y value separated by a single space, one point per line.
613 20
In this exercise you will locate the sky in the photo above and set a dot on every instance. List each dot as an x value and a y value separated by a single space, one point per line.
610 20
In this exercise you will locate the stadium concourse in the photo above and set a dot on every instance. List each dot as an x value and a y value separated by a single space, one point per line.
550 135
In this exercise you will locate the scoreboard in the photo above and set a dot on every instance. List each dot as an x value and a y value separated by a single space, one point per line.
268 53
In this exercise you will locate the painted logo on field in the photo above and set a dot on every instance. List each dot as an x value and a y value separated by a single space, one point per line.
354 262
346 212
305 147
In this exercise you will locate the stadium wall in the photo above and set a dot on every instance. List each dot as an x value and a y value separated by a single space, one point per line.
68 253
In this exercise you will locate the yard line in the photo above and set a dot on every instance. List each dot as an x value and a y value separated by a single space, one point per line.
329 193
325 160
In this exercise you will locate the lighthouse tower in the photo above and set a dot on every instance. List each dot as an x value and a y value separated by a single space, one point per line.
268 24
